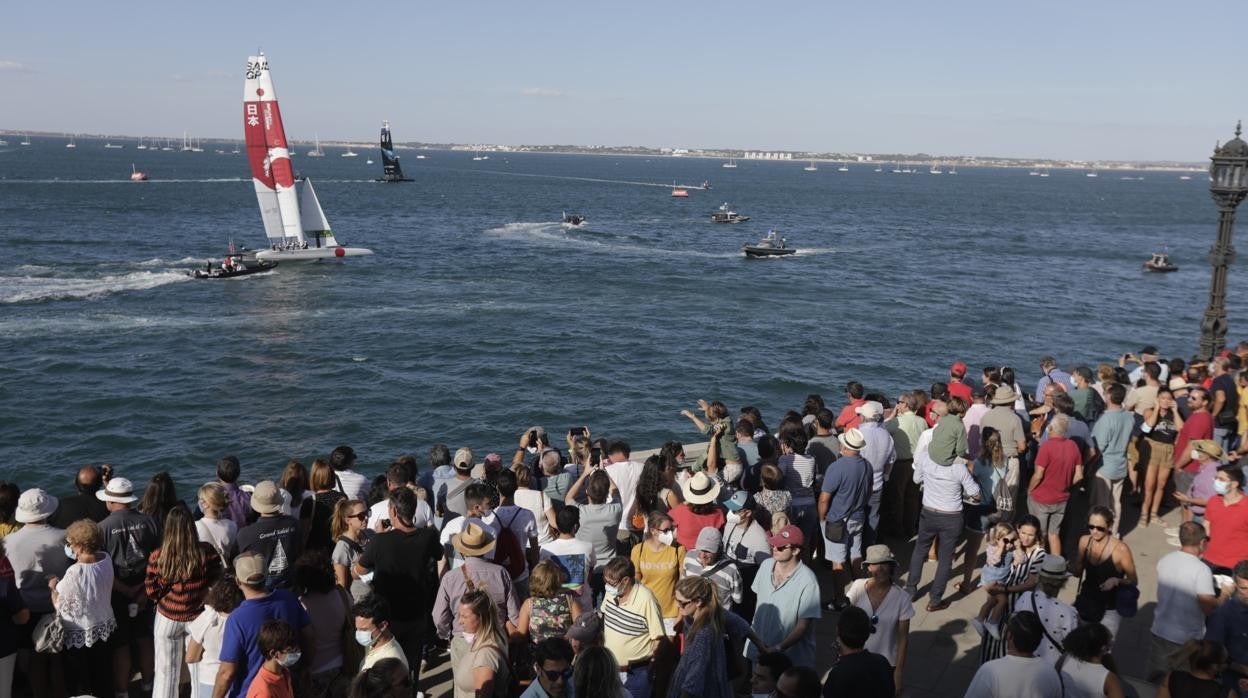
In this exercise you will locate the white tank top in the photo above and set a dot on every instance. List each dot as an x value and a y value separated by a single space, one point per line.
1083 679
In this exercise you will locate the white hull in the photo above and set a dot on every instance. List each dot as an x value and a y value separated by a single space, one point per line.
311 254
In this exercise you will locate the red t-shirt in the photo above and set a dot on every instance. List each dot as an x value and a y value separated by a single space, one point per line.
962 390
1199 425
1228 531
1059 456
849 417
689 524
270 685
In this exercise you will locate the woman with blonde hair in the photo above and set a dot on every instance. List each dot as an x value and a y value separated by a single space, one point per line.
550 609
596 673
216 527
179 574
82 599
703 667
351 535
325 497
483 670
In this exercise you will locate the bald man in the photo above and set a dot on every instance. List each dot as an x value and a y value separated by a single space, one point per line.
84 504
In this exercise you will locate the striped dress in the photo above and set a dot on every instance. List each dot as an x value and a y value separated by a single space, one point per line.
995 649
182 600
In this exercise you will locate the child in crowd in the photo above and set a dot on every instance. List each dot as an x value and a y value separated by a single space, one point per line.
280 648
949 440
997 561
773 499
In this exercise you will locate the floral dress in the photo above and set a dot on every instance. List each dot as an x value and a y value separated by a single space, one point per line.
549 617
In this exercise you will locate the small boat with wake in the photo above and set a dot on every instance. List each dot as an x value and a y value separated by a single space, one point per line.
235 264
727 215
771 246
574 220
137 175
1160 263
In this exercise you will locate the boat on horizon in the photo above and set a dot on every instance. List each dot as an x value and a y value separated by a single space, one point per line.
811 167
935 169
349 154
727 215
390 170
843 168
71 143
25 140
730 165
290 210
137 175
770 246
316 151
111 146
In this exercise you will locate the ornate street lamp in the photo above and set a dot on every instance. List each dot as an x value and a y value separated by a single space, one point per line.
1228 184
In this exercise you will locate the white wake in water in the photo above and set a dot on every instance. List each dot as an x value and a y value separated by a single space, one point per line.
554 234
30 289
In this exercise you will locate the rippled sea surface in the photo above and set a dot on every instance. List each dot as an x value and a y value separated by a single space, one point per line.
480 315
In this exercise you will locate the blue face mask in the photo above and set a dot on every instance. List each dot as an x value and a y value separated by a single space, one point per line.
291 659
69 553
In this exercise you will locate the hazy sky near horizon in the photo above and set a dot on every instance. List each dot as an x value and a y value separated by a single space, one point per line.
1105 80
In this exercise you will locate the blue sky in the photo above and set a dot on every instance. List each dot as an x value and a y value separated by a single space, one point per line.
1109 80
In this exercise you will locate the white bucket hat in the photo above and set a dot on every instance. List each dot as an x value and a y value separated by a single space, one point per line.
35 506
119 490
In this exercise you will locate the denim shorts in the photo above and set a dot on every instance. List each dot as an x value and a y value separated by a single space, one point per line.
850 548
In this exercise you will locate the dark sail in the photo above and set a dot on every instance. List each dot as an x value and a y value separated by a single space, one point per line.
391 172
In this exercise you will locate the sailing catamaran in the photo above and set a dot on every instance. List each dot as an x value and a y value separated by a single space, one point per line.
290 218
391 172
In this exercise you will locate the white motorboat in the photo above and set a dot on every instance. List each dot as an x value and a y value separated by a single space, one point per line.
294 221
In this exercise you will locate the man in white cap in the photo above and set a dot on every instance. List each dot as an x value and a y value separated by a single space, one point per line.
881 453
274 535
843 510
130 537
448 494
35 551
706 561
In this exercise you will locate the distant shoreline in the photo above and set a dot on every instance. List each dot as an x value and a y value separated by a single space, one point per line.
850 159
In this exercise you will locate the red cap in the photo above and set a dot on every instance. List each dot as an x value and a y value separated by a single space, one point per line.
958 369
789 535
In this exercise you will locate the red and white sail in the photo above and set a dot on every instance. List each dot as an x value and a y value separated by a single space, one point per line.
269 156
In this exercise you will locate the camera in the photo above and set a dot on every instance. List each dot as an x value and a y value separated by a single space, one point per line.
576 431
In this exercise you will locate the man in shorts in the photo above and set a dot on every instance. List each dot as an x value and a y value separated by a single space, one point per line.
843 508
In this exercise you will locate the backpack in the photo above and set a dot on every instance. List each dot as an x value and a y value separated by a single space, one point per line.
508 553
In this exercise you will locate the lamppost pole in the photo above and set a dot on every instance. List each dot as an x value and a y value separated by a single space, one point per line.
1228 185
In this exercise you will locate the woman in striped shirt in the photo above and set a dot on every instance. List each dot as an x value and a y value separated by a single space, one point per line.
179 574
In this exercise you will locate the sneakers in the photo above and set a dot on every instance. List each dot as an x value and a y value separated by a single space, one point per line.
979 626
994 629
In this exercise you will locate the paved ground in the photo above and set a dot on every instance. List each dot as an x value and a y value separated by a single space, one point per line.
943 650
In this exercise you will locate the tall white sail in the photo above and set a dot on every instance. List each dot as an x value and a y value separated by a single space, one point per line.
315 225
269 155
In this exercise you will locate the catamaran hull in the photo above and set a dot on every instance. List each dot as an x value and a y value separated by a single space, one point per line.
311 254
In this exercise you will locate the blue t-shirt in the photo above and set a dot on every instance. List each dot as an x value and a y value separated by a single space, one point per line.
241 641
1111 434
848 480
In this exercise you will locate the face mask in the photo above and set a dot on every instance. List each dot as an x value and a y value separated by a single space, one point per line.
69 553
367 577
611 589
291 659
469 637
1195 455
666 537
733 517
364 637
1221 487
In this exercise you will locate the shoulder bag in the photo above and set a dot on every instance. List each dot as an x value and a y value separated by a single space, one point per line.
49 634
1036 609
835 531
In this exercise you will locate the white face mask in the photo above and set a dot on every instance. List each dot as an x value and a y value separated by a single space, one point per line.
69 553
1221 487
733 517
367 577
666 537
469 637
1195 455
611 589
291 659
364 637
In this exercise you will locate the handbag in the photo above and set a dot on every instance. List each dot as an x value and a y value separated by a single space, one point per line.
834 531
1127 599
1091 608
49 634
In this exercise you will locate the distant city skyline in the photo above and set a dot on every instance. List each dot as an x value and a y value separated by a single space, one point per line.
1110 81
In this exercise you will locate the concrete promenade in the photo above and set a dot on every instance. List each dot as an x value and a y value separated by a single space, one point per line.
943 651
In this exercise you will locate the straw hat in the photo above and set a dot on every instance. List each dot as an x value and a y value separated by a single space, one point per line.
700 489
1004 395
473 541
853 440
119 490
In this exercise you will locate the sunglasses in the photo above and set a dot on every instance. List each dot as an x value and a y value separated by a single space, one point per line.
362 516
557 675
682 604
1094 527
1009 541
875 620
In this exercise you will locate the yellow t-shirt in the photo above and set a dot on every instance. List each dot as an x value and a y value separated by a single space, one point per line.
7 528
660 571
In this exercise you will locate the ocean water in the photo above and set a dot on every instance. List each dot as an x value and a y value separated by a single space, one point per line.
480 315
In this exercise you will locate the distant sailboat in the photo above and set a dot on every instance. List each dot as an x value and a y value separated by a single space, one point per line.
935 169
843 168
730 165
1093 173
71 143
350 154
879 168
136 175
476 156
316 152
141 145
811 167
1044 172
896 168
953 169
390 169
290 217
25 140
111 146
